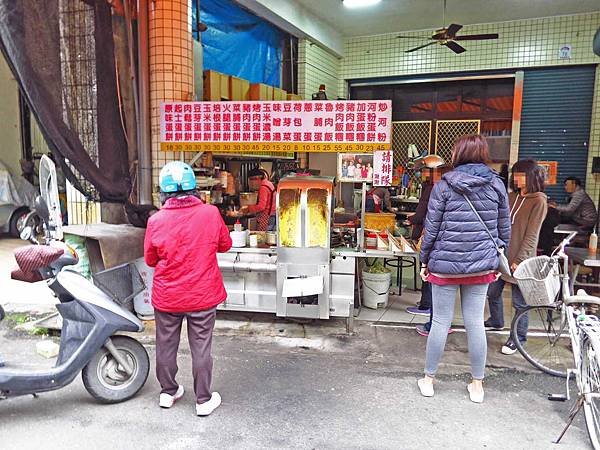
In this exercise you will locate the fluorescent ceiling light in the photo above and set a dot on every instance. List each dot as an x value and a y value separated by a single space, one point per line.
359 3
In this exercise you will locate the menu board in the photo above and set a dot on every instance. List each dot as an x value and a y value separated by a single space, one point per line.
276 126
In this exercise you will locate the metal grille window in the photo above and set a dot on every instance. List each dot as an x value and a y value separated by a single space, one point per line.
406 133
78 73
447 131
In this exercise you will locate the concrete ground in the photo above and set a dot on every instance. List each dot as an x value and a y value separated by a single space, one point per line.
303 386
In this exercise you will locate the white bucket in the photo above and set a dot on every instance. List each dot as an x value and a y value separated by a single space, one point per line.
142 303
239 238
376 287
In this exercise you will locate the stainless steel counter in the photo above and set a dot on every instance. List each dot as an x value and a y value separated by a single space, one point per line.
352 253
341 251
251 279
254 250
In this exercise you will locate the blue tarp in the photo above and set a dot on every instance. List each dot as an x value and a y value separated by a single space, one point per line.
239 43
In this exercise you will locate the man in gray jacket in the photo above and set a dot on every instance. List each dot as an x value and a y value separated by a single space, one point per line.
581 209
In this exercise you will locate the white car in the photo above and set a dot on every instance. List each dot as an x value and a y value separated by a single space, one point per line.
16 197
12 219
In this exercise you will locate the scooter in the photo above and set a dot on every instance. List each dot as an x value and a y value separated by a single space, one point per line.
114 367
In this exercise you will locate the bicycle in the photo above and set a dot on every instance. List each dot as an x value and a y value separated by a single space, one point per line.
548 293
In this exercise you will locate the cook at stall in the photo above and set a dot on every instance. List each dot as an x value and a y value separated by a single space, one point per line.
265 207
378 200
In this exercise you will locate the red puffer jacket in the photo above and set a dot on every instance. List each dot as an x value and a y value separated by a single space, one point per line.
182 241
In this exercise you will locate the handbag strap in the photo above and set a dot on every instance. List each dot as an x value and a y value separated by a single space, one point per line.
481 221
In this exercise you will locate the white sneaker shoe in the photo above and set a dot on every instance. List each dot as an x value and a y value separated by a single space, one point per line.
425 388
206 408
166 400
509 348
475 396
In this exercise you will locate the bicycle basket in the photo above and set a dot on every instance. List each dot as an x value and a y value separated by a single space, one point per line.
539 280
120 283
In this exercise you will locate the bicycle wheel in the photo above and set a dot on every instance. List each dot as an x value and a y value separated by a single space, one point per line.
589 372
548 342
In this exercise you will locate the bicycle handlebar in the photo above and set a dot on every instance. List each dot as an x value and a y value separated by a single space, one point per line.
569 238
560 250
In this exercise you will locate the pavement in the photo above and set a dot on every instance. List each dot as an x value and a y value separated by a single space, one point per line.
297 385
322 390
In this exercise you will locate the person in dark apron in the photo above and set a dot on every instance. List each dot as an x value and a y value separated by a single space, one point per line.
264 210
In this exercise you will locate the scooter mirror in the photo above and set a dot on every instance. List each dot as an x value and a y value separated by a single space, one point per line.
26 233
42 209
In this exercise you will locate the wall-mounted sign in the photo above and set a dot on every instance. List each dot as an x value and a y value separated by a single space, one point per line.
564 51
353 168
382 163
550 171
277 126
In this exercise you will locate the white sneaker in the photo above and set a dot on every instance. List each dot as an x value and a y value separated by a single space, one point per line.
475 396
166 400
425 388
206 408
509 348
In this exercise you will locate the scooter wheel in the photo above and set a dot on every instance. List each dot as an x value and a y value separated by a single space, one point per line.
107 381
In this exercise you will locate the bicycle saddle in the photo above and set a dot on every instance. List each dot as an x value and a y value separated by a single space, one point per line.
582 297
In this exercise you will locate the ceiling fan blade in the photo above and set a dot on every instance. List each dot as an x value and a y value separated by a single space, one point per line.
455 47
453 29
413 37
476 37
419 47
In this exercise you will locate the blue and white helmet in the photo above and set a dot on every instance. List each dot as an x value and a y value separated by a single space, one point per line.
176 176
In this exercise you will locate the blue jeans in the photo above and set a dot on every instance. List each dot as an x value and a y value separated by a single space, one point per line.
472 299
496 306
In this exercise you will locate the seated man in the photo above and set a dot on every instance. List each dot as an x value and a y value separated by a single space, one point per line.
580 210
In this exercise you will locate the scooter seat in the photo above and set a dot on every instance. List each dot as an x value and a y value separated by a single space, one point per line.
28 277
31 258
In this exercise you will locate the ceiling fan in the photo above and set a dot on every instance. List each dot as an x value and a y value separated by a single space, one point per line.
446 36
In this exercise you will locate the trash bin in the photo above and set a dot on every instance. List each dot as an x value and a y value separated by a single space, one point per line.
376 287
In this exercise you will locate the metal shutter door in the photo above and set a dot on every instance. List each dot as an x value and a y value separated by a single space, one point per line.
555 120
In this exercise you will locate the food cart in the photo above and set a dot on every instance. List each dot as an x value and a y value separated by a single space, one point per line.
302 276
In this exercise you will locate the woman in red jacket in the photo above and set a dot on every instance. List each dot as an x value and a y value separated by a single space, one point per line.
182 240
265 206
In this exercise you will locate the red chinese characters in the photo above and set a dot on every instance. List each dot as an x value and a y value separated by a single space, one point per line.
278 121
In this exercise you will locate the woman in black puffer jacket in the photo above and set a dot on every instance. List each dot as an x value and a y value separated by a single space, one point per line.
457 253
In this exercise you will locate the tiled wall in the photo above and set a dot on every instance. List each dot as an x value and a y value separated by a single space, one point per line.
315 67
171 67
523 43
